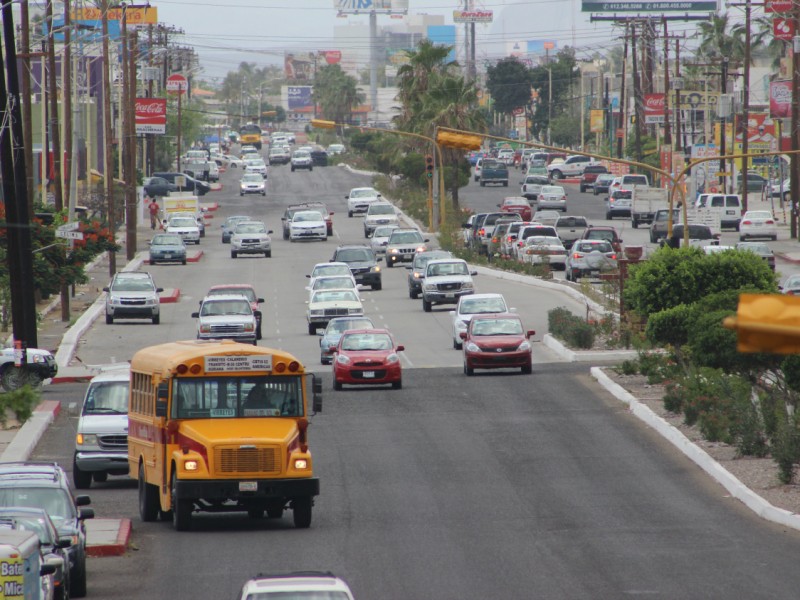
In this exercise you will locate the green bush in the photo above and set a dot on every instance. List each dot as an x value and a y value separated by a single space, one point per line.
573 330
670 326
21 402
786 447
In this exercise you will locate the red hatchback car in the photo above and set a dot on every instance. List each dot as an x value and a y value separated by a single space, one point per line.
497 342
367 357
241 289
517 205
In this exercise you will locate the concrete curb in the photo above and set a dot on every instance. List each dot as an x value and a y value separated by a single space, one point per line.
170 295
31 432
787 258
585 355
119 546
735 487
210 207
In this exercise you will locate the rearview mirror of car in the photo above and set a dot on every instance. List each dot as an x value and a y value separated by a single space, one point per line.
401 348
82 500
85 513
196 315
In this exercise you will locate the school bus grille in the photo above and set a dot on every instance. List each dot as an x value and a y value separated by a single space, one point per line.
262 459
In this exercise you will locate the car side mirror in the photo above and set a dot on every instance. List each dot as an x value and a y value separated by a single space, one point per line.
82 500
269 230
462 335
64 542
378 259
85 513
316 390
162 395
159 290
51 565
401 348
379 195
427 240
259 300
195 315
409 267
530 333
473 273
105 289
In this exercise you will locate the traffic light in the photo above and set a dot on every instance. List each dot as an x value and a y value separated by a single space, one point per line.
321 124
767 323
463 141
429 166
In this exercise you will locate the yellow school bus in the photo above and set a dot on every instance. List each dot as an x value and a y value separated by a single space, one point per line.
221 426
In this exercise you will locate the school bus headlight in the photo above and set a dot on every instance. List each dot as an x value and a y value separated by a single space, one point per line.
190 465
301 463
86 439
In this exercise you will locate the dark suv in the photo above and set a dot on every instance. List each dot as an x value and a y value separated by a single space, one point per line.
603 232
362 262
45 486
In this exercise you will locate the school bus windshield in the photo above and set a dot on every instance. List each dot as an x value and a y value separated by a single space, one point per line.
237 397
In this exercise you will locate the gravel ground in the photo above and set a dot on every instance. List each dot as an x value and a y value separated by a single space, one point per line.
758 474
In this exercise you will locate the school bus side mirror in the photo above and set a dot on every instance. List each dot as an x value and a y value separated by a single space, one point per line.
316 387
161 399
767 323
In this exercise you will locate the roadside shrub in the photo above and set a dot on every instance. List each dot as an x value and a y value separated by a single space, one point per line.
670 326
673 397
21 402
748 429
571 329
786 447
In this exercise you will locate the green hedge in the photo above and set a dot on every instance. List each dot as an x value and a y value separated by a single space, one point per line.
573 330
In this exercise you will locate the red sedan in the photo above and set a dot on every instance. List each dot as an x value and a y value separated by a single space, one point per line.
367 357
517 205
497 342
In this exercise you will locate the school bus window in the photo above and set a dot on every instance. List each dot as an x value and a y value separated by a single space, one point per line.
231 397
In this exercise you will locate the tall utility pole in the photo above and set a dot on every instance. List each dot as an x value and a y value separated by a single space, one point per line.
109 164
55 138
667 131
794 174
130 199
623 113
745 118
678 136
27 117
637 100
66 102
723 94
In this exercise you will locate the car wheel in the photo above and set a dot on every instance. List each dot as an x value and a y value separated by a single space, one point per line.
181 509
109 319
742 238
310 169
337 385
634 223
377 286
183 262
274 512
527 369
412 294
77 580
234 254
583 189
653 238
301 512
81 479
774 238
469 371
483 184
396 385
456 345
594 192
389 264
426 305
149 504
156 319
609 217
350 214
264 194
312 329
555 174
292 168
255 512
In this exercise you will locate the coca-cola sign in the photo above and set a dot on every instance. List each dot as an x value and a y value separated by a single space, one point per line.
151 116
654 108
780 99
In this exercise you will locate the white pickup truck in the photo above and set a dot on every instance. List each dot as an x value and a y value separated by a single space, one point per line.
645 201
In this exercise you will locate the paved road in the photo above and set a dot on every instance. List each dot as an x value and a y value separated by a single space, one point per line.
493 487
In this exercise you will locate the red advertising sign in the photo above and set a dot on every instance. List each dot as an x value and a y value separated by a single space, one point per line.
783 28
778 6
151 116
654 108
177 84
780 99
332 57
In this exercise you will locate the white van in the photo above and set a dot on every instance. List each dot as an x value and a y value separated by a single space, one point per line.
729 207
101 444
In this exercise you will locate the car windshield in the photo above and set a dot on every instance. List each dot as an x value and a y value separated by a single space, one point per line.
405 237
342 325
600 234
448 268
107 397
302 154
366 341
247 292
322 270
334 283
276 151
232 397
334 296
251 228
306 215
497 327
252 178
167 240
33 524
255 163
477 306
232 221
553 189
383 232
381 209
591 247
363 193
132 284
182 222
55 501
420 260
355 255
215 308
515 202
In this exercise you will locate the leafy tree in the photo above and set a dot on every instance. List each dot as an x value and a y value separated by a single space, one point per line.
719 38
509 84
337 93
682 276
413 80
552 80
565 130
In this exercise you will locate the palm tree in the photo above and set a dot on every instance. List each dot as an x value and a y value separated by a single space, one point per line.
336 93
413 77
719 39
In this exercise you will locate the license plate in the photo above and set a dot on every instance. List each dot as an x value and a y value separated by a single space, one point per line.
595 273
168 256
449 295
368 374
730 212
248 486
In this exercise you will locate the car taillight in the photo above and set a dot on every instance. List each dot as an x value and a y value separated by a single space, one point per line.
494 240
770 222
563 197
614 256
577 255
481 231
509 238
747 222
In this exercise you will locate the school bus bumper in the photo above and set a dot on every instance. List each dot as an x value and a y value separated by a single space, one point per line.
224 489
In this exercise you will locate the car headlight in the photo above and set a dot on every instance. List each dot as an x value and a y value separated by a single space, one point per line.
205 328
392 358
375 269
342 359
417 275
38 358
355 311
86 439
472 347
316 312
430 287
467 286
394 251
190 465
249 327
526 345
420 249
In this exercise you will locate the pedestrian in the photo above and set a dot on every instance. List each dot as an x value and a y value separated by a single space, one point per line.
154 210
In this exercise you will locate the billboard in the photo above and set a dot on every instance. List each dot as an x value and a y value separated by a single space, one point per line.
151 116
473 16
140 15
444 35
299 96
299 65
654 108
780 99
599 6
367 6
330 57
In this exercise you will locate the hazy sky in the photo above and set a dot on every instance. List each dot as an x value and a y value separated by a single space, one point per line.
259 31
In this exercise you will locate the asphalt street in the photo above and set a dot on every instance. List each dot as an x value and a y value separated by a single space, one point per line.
497 486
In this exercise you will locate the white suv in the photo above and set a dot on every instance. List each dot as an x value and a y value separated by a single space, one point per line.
304 584
132 295
226 317
380 213
573 166
445 282
359 200
301 159
251 237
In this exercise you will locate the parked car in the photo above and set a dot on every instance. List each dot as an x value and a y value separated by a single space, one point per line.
158 187
790 285
445 281
333 333
101 443
761 249
758 224
132 295
590 174
251 237
755 182
226 317
241 289
367 357
362 262
552 196
326 304
40 364
471 306
516 205
416 270
185 183
590 258
539 249
497 342
359 200
230 224
781 189
403 244
167 247
45 486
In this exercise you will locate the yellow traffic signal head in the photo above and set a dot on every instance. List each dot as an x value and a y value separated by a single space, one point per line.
767 323
463 141
322 124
